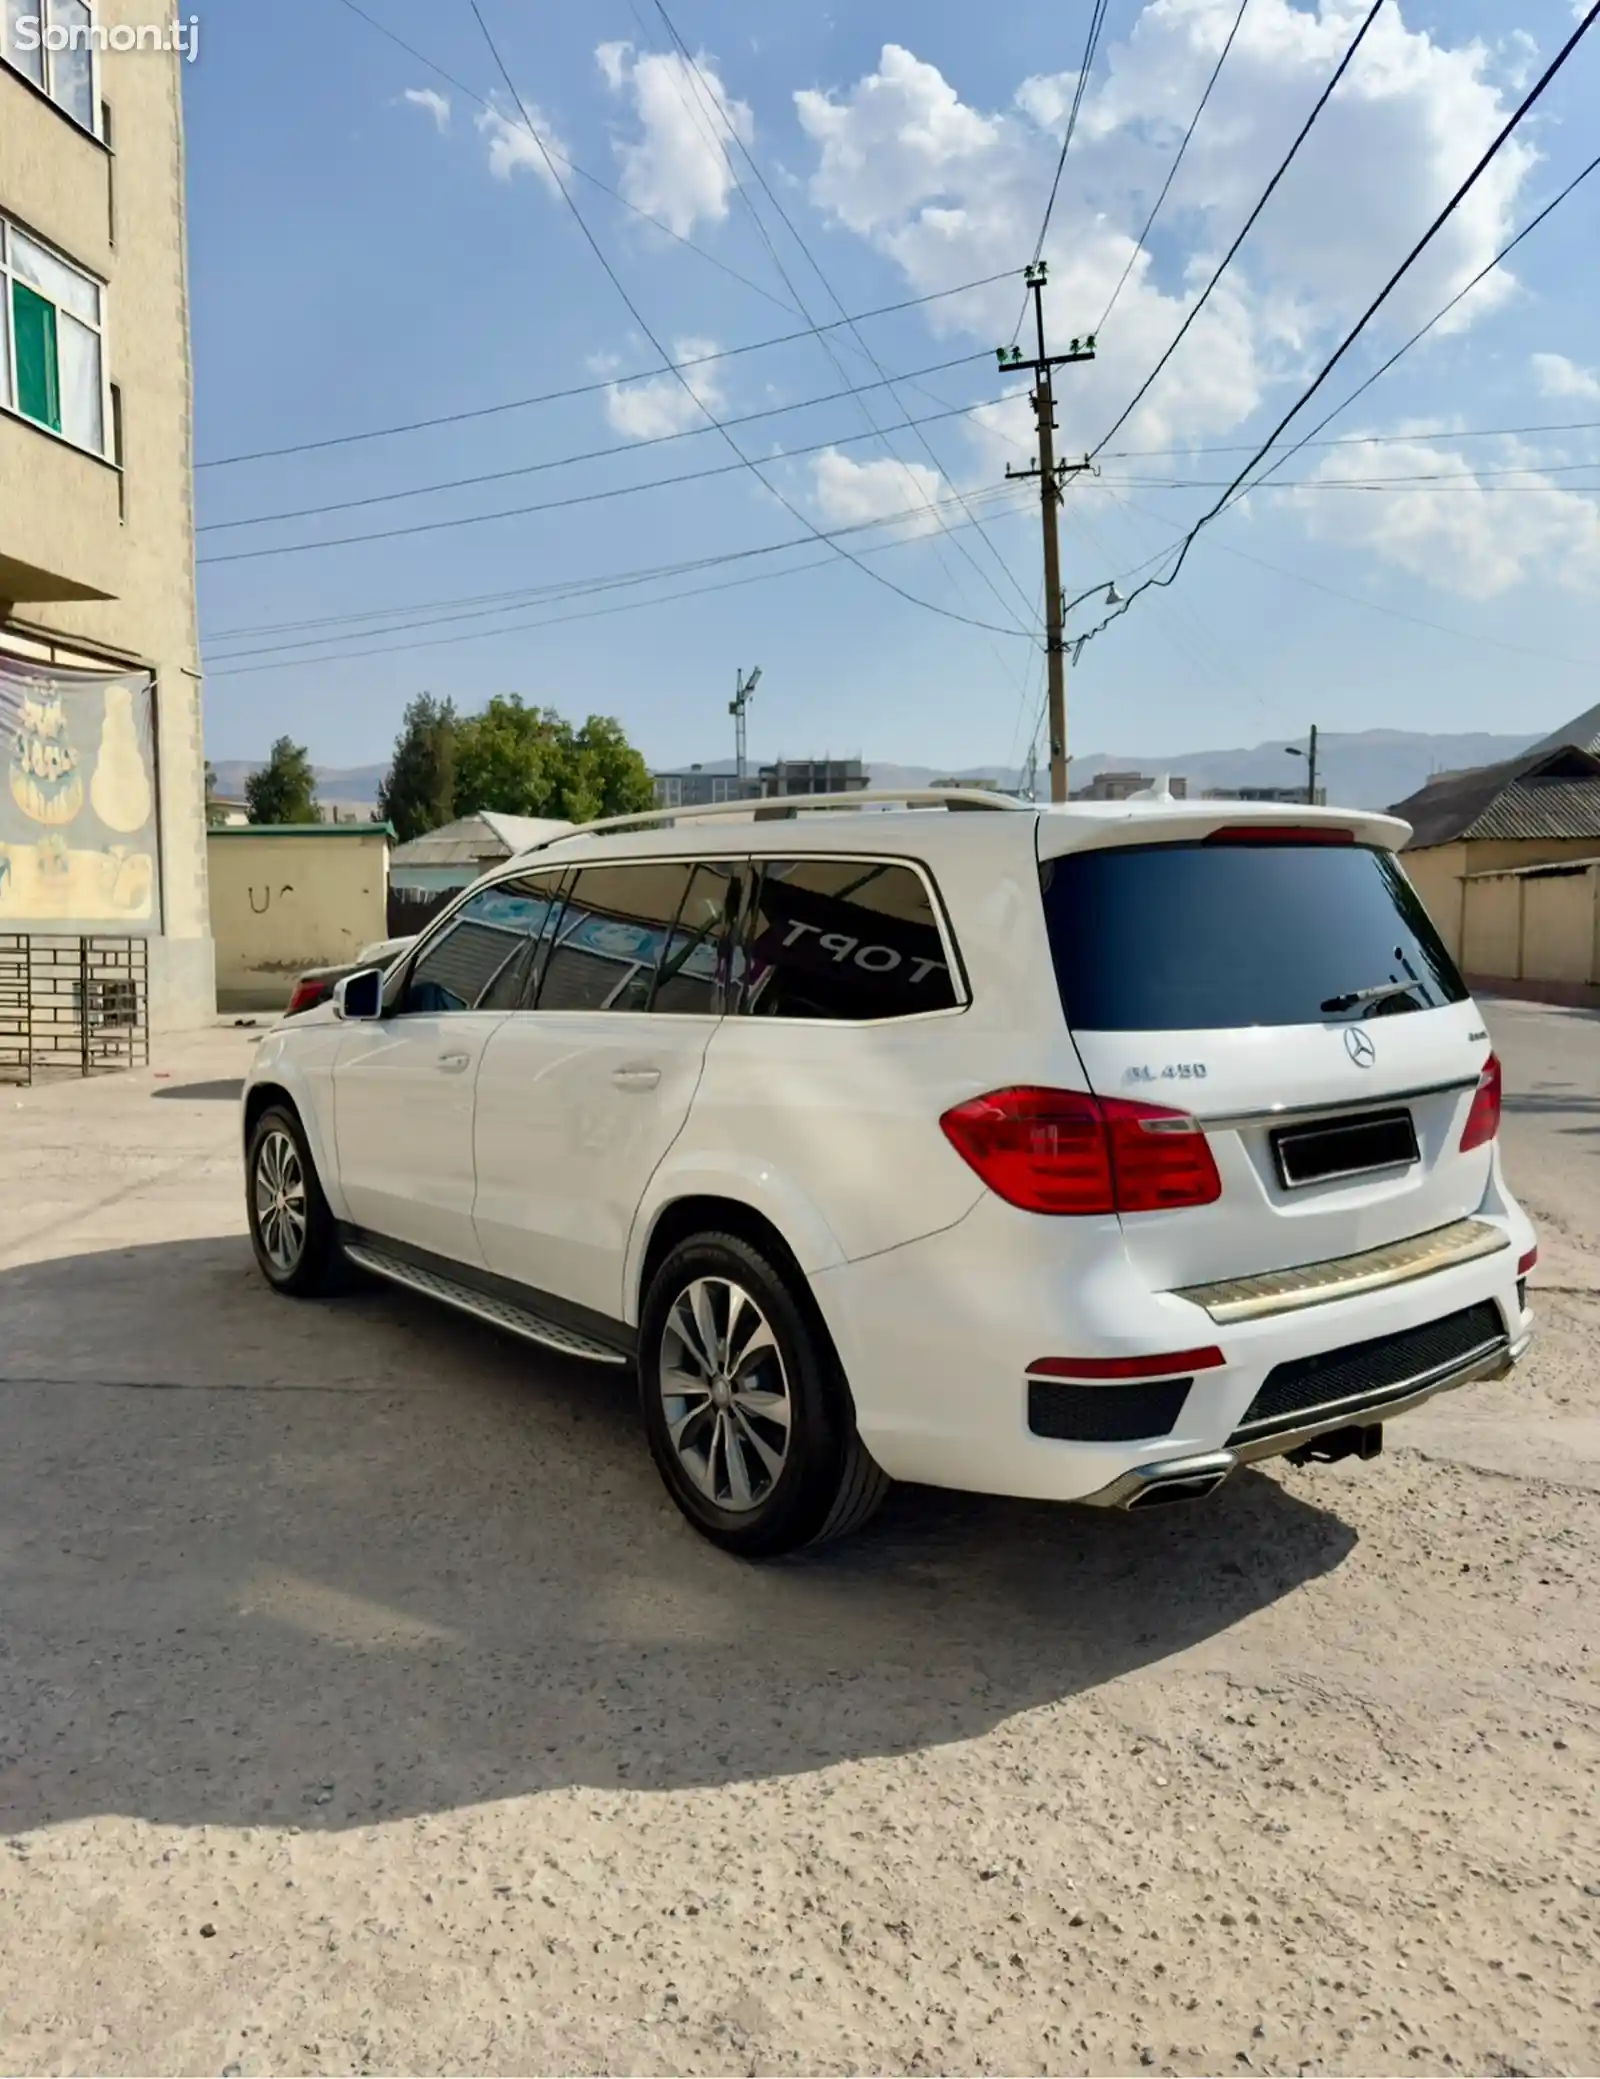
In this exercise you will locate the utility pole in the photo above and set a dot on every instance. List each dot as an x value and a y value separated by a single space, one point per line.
1310 756
1052 475
742 689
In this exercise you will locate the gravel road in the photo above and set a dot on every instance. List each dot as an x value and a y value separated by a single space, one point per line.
364 1705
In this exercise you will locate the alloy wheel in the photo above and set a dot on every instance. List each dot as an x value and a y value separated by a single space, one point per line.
280 1201
725 1393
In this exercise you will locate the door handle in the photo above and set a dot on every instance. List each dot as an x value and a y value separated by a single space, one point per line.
453 1064
638 1077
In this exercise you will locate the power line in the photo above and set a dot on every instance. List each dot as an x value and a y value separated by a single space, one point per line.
877 577
499 476
1445 479
1223 264
1393 613
1485 160
1423 330
1097 16
1356 440
230 670
485 411
486 605
720 110
1172 170
555 152
548 505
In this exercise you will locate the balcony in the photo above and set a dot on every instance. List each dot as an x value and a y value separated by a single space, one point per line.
60 531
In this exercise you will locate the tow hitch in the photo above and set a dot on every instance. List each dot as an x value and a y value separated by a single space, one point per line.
1361 1440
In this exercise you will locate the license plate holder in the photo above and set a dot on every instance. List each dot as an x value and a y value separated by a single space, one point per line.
1334 1150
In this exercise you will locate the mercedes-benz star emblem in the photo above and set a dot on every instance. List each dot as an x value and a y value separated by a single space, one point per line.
1360 1049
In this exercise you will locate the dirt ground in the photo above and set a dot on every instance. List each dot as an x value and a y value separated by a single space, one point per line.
365 1706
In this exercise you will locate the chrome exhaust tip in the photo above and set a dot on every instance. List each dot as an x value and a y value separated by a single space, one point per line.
1166 1482
1163 1494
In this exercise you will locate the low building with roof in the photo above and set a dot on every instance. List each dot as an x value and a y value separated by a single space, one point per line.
1540 809
454 855
288 896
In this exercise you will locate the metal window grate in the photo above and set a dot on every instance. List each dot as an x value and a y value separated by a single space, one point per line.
72 1006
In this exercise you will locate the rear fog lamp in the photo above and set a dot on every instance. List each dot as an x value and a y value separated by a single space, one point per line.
1164 1367
1526 1263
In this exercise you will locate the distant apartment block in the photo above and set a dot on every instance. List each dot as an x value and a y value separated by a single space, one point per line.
695 787
1118 786
1289 794
102 824
813 776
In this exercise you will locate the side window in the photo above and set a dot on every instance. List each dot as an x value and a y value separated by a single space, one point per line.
480 961
613 934
843 939
693 976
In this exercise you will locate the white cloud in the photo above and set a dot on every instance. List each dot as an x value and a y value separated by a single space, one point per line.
513 148
436 104
1559 377
679 166
948 189
847 493
1469 534
661 404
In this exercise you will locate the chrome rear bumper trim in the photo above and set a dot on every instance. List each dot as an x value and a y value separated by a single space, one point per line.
1265 1293
1121 1492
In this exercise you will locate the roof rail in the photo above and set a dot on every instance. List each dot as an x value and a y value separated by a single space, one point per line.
778 807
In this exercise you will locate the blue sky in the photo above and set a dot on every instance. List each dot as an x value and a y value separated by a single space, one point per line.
370 245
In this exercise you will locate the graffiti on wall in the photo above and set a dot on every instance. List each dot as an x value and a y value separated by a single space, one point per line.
77 802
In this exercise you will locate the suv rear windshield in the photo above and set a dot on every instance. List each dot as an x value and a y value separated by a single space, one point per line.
1200 937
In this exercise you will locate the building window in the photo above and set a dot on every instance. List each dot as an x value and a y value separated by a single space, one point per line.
51 42
52 363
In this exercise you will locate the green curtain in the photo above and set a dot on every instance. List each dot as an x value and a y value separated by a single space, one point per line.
38 369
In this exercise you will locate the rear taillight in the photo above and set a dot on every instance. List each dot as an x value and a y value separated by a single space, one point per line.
306 994
1526 1263
1483 1121
1060 1151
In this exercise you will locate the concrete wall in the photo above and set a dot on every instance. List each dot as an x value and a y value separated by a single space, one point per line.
286 900
1535 928
71 524
1438 874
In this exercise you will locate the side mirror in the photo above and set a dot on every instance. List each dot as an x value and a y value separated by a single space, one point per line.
359 995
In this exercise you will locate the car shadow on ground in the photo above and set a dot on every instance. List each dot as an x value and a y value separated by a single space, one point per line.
338 1562
226 1090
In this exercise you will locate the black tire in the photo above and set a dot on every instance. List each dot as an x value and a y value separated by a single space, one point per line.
826 1483
278 1168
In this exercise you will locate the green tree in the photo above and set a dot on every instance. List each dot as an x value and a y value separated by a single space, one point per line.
510 758
215 812
604 775
418 792
285 788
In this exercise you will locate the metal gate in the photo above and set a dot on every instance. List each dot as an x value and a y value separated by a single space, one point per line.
72 1006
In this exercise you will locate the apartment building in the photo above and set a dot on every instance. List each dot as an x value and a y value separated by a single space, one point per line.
102 822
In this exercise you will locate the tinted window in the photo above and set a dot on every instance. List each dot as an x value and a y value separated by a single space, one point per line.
693 974
1177 938
480 960
613 932
843 938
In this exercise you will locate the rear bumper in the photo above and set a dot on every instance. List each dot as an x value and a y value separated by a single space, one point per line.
937 1339
1213 1467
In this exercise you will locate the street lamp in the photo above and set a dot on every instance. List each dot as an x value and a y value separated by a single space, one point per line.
1294 751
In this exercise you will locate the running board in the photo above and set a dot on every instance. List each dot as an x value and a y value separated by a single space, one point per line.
487 1306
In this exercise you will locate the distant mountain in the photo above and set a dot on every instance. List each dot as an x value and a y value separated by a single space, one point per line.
347 784
1369 769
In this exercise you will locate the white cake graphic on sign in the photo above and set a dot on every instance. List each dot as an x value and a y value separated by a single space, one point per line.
45 781
120 789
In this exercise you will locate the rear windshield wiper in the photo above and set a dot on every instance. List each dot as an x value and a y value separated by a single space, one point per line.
1375 994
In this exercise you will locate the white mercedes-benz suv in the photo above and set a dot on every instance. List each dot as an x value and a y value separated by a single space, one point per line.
1082 1153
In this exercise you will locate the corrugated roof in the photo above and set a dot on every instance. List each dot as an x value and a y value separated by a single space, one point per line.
1583 730
482 839
1543 793
1540 808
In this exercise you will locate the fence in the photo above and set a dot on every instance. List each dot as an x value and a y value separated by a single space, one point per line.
72 1006
413 909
